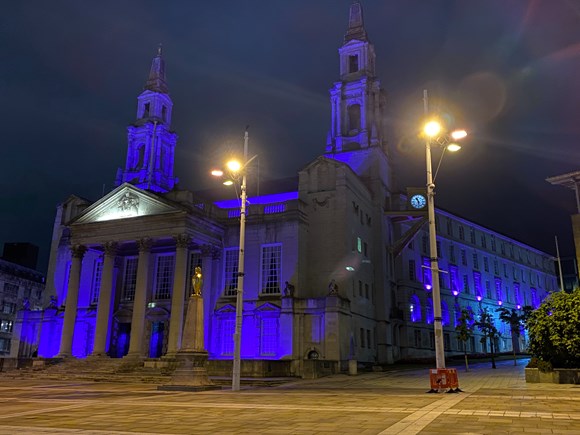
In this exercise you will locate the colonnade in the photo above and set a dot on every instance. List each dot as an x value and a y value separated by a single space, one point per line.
137 345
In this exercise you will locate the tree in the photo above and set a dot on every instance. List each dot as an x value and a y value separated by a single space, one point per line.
464 331
487 327
516 321
554 330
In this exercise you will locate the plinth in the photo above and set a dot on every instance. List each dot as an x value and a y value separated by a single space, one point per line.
191 371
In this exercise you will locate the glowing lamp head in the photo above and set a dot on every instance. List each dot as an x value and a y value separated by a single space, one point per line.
217 173
428 287
455 292
228 183
518 306
349 268
478 298
453 147
458 134
500 303
234 165
432 128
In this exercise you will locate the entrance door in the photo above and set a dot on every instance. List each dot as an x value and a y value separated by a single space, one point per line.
121 347
156 342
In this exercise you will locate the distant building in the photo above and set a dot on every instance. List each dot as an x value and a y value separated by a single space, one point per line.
21 291
334 267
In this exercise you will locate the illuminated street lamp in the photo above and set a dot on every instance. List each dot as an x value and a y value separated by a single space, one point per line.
236 168
433 130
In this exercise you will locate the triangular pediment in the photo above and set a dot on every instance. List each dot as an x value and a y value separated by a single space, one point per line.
125 202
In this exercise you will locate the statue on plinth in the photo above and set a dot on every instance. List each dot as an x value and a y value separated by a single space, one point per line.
197 282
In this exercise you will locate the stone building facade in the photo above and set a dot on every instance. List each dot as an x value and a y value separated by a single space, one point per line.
327 279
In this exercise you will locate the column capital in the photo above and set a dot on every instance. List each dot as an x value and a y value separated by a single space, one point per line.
78 251
210 251
145 244
182 240
111 248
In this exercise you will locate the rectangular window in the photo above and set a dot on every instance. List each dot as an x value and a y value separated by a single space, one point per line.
369 342
359 245
453 278
6 325
130 278
227 328
9 308
449 227
463 257
496 267
271 262
447 341
483 241
4 345
475 261
502 248
362 338
96 284
472 235
360 288
412 271
461 232
10 290
493 246
365 249
488 289
231 271
366 290
452 253
269 336
164 276
466 284
498 294
477 282
485 264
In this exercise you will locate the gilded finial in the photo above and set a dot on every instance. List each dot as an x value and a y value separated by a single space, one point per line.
159 49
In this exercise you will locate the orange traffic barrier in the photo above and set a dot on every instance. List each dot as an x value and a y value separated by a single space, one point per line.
444 378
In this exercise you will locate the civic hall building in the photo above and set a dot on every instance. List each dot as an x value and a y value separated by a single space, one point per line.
336 267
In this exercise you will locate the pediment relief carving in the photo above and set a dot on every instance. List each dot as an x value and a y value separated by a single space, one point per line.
125 202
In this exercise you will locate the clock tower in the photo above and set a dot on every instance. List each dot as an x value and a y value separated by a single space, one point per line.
151 143
357 130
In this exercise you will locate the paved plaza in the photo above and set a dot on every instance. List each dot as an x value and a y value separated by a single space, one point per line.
493 402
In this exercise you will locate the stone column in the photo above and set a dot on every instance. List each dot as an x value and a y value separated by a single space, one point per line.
140 302
208 254
178 296
105 297
72 300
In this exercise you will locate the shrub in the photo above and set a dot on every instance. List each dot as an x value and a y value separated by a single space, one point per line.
554 330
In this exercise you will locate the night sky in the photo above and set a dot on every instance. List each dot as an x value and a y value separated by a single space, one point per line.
507 70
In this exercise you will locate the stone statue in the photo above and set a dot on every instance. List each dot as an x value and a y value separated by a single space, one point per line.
289 290
52 303
197 282
332 288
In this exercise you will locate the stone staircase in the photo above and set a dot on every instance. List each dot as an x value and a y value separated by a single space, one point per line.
104 369
98 369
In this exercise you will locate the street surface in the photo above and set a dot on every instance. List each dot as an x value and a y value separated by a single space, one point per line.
493 402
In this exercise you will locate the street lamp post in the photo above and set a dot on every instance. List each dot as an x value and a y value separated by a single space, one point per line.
240 287
437 323
432 130
236 168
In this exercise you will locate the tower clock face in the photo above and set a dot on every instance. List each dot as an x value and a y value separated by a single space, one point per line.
418 201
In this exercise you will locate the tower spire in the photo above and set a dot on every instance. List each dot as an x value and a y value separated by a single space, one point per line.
356 29
156 81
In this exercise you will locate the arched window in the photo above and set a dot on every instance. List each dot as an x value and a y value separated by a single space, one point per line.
415 309
354 117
